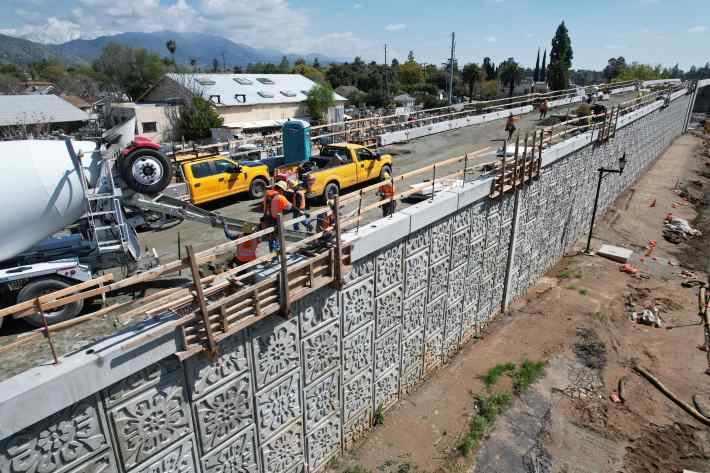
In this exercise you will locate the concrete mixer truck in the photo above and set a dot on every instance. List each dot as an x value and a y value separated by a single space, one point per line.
69 208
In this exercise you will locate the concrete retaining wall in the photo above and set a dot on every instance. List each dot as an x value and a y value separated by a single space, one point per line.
285 396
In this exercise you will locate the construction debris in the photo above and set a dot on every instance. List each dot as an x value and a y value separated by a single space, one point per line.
677 229
649 316
615 253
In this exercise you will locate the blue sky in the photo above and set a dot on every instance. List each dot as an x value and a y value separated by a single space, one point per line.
648 31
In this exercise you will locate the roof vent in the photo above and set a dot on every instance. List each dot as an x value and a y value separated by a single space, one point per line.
242 81
265 80
288 93
205 81
266 95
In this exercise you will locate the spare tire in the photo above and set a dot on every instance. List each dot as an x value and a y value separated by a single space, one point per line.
146 170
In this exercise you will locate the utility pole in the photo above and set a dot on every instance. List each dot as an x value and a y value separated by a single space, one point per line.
451 68
387 85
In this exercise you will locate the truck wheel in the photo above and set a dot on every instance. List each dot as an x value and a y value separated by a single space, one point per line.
385 170
146 170
332 190
40 287
257 188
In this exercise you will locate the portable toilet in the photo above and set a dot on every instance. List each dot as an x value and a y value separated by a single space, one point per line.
296 141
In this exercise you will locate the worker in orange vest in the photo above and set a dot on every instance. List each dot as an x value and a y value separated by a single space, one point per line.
276 204
299 204
246 251
386 192
510 125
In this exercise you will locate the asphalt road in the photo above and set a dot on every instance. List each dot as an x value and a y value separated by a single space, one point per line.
406 157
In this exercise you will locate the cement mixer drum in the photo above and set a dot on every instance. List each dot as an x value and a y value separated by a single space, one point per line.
40 193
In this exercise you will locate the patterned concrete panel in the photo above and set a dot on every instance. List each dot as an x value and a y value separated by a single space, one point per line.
236 455
322 398
357 352
357 395
59 443
413 313
204 374
435 316
285 451
438 279
388 310
321 352
360 270
278 405
457 282
323 443
140 381
358 305
409 380
412 351
105 463
181 458
276 347
433 351
223 412
387 354
388 268
317 309
478 221
416 272
418 241
387 390
440 241
459 248
461 220
150 422
357 428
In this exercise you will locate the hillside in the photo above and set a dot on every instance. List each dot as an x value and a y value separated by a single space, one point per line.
202 47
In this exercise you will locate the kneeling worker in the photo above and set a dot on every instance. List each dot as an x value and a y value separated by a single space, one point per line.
246 251
386 192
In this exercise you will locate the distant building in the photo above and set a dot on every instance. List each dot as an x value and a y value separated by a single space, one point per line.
38 87
405 104
152 120
248 103
38 114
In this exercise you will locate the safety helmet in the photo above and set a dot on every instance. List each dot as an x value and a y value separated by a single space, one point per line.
281 185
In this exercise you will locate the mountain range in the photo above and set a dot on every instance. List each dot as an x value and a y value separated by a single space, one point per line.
204 48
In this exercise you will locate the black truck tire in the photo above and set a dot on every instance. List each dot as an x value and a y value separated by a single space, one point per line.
331 191
257 188
146 170
40 287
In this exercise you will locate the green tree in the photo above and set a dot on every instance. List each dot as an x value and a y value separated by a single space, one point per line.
536 74
614 68
489 68
310 72
171 46
197 117
284 65
411 73
471 75
316 64
638 71
543 68
215 65
125 70
561 57
510 74
410 57
320 98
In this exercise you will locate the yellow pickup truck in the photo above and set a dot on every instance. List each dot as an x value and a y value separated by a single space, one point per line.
336 168
215 177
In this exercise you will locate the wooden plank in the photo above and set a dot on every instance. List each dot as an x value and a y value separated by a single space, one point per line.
201 298
338 247
283 279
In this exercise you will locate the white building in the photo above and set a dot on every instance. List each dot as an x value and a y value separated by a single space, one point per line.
247 102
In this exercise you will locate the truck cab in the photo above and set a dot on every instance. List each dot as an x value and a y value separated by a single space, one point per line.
216 177
337 167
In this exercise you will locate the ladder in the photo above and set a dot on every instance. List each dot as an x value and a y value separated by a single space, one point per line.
608 128
104 213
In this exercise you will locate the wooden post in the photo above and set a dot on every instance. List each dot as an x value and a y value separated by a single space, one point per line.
212 344
359 211
433 181
525 158
502 168
515 163
45 330
338 267
391 197
285 293
465 167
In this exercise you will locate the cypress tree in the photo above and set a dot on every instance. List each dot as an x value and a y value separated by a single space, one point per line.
536 74
543 69
560 59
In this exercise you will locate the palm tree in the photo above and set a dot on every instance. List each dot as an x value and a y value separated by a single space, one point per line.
172 46
510 74
471 75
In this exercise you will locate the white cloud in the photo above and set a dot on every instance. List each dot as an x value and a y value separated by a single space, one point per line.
490 39
52 30
395 27
357 5
698 29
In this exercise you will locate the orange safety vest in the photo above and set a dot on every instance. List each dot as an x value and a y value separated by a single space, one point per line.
278 204
268 197
246 251
387 190
299 200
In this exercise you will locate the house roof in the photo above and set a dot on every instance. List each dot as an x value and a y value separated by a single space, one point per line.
403 98
258 89
33 109
77 101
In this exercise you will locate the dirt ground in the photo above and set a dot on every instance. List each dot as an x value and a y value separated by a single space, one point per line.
577 320
407 157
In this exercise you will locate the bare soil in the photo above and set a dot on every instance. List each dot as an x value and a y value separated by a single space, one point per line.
577 320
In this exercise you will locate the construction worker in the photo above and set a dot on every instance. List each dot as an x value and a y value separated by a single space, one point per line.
246 251
510 125
299 204
544 107
275 204
386 193
325 222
